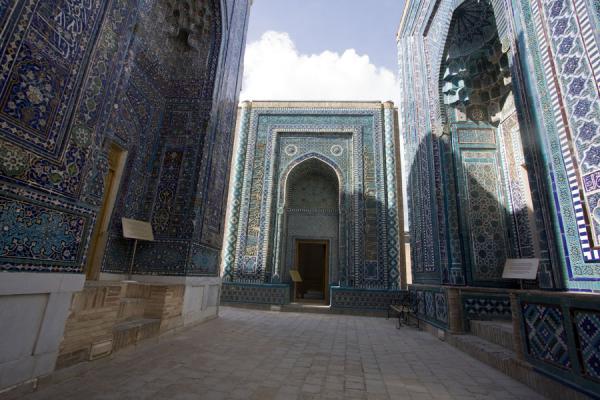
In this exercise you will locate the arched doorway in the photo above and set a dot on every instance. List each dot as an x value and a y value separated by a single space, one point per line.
311 227
484 157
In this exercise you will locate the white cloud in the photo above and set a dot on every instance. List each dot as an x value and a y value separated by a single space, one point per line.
275 70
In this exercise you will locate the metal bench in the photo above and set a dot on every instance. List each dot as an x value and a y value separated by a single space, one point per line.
404 306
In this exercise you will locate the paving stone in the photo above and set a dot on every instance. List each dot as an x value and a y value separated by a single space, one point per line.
251 354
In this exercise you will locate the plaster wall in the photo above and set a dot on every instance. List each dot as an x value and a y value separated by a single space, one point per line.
33 309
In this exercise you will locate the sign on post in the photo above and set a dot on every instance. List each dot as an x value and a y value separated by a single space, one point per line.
296 278
295 275
134 229
521 268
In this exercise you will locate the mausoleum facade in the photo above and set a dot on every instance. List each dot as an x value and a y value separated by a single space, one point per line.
311 173
111 109
499 116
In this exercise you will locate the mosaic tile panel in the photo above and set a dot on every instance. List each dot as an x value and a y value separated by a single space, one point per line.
576 57
204 261
441 308
431 304
587 328
486 307
362 299
545 334
350 142
41 233
258 294
485 215
87 74
573 27
42 71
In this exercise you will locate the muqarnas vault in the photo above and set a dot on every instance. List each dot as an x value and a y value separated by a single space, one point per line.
309 173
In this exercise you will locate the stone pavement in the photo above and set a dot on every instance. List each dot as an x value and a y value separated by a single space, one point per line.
251 354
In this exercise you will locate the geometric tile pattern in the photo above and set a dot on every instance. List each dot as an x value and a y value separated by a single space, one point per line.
545 334
355 144
393 207
568 96
486 307
233 292
78 76
431 304
587 328
441 308
362 299
447 91
485 212
575 55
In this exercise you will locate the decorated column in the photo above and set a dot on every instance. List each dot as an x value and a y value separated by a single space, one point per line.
235 191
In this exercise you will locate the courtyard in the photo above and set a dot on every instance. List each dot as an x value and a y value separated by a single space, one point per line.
253 354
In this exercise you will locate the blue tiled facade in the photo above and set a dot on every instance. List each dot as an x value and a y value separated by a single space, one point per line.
499 116
357 144
519 137
79 76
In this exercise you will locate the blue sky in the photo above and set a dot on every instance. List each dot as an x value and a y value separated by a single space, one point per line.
322 50
367 26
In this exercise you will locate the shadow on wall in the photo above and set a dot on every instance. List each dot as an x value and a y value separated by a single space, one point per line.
468 239
471 195
164 117
318 202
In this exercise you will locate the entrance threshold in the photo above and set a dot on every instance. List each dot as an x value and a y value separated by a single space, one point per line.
310 304
307 306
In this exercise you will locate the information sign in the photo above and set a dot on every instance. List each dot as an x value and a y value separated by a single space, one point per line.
134 229
521 268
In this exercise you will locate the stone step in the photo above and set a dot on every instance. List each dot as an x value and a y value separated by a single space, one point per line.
506 360
131 308
130 332
498 332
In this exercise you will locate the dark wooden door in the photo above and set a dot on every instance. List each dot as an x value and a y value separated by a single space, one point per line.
312 266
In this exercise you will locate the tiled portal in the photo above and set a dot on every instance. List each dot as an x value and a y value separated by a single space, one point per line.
250 354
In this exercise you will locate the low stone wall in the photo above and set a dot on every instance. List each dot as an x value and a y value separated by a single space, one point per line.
557 333
94 312
251 293
362 299
560 335
107 316
280 294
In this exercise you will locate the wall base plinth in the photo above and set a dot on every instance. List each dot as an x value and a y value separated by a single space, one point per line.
33 310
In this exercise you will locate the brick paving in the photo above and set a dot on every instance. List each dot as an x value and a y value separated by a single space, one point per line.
263 355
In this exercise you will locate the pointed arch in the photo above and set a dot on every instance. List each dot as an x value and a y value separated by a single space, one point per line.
310 157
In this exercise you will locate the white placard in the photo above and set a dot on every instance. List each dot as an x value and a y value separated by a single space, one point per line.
134 229
521 268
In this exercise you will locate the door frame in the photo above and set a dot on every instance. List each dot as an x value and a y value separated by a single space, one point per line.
112 182
325 242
